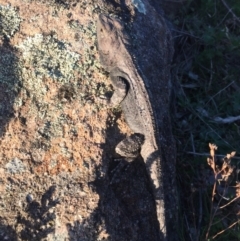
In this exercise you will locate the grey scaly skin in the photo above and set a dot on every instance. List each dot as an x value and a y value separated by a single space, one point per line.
135 90
129 148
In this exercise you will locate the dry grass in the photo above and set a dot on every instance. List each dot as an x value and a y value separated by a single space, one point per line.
207 111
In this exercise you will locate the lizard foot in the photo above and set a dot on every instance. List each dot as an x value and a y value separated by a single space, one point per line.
130 147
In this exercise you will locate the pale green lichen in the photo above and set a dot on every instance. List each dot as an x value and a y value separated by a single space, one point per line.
87 37
9 21
46 59
49 57
45 56
89 64
15 166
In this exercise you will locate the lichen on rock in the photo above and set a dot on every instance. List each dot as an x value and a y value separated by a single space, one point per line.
50 57
9 21
15 166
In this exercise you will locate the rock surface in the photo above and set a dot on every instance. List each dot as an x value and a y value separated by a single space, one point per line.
57 140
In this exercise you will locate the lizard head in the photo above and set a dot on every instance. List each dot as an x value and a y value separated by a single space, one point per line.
110 37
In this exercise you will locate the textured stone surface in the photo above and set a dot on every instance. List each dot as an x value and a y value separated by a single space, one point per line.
57 141
52 129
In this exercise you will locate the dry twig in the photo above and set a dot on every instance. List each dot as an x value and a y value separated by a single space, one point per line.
231 11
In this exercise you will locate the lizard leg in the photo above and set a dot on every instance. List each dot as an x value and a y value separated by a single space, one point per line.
130 147
120 86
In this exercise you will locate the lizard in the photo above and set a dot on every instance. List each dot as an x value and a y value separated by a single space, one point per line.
135 91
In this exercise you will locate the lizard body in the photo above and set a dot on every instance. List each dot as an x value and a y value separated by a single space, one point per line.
141 102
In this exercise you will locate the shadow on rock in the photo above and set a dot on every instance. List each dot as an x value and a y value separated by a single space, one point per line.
39 219
9 83
126 207
7 232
